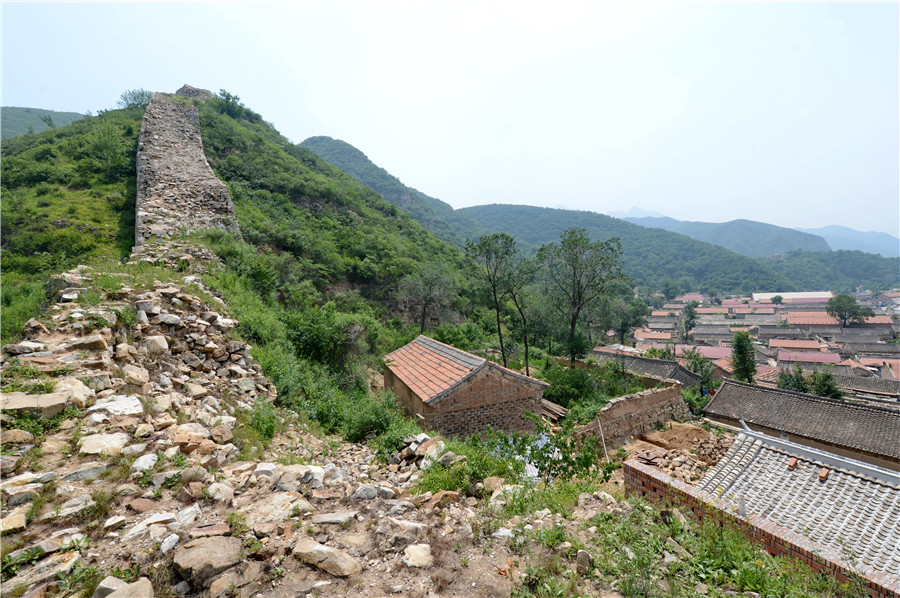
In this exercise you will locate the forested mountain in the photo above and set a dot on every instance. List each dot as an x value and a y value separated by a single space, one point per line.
290 199
747 237
435 215
841 237
15 121
652 255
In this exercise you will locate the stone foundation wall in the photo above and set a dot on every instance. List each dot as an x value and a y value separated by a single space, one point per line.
637 413
644 480
177 191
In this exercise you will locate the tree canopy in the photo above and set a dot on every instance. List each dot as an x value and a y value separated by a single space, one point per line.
846 309
743 356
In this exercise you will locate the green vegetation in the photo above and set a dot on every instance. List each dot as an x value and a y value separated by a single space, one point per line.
743 356
28 121
68 198
433 214
747 237
821 383
630 548
845 309
584 391
651 255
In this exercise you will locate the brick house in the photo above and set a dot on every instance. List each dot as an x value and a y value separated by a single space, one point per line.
458 393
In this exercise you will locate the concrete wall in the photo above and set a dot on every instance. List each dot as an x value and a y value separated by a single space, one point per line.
637 413
644 480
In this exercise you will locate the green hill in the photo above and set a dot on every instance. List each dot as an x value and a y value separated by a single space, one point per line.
653 254
15 121
747 237
435 215
291 200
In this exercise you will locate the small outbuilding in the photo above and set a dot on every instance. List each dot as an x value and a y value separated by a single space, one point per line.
458 393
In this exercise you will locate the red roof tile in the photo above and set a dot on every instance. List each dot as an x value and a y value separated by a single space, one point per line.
790 343
809 357
430 368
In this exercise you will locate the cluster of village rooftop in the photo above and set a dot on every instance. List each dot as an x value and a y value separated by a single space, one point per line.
796 330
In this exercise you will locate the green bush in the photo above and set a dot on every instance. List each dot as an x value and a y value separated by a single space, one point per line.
264 419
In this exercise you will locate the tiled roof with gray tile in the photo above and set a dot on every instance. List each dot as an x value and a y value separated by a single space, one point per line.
854 511
870 384
658 368
874 430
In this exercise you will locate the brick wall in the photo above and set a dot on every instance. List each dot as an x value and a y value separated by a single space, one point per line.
646 481
637 413
491 397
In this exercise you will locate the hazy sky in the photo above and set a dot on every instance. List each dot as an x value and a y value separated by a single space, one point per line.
784 113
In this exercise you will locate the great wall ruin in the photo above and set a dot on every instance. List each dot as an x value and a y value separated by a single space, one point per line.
177 191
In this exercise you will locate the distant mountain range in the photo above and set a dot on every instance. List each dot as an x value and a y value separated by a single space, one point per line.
747 237
15 121
841 237
650 254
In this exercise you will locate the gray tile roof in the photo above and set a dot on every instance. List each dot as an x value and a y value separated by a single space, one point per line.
875 430
869 384
855 511
658 368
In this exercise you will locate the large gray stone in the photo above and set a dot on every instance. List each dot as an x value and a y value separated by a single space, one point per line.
156 345
418 555
45 405
142 588
119 405
87 471
326 558
109 585
110 444
79 393
202 559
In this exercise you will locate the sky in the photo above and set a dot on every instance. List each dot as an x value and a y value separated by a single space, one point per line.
787 113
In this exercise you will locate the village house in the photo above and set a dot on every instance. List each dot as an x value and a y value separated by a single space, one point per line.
859 431
458 393
661 369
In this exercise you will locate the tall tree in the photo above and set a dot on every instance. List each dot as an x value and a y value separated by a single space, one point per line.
743 356
522 274
690 317
629 314
495 254
577 272
846 309
427 291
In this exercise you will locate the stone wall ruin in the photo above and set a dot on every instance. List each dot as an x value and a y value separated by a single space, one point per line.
177 191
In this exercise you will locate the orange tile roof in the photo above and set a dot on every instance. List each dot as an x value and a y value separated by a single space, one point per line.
790 343
808 357
649 335
430 368
660 313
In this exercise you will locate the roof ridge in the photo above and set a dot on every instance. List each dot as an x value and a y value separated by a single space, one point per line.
801 395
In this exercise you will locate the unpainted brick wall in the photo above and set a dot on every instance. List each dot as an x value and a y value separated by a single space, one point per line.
637 413
491 397
644 480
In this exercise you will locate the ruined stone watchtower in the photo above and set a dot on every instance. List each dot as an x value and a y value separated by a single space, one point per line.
177 190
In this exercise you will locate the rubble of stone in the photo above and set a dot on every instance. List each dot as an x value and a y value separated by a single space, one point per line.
690 465
177 191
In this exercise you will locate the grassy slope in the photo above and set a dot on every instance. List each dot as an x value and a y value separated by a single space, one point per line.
435 215
62 206
15 120
289 199
747 237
